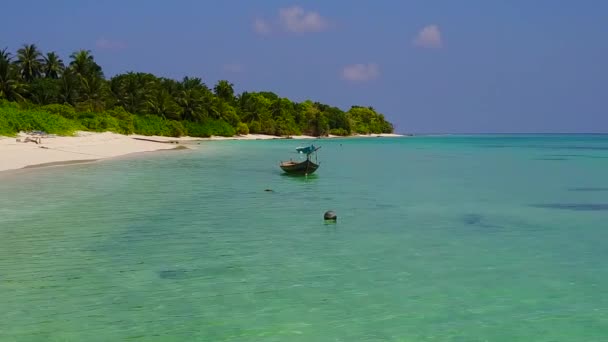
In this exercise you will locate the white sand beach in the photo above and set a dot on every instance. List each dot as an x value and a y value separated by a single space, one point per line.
90 146
85 146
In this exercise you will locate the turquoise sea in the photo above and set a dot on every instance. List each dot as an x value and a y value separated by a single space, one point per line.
438 238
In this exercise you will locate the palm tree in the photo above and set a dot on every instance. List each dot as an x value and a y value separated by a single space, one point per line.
163 105
91 93
83 64
191 102
68 87
11 87
224 90
193 83
5 55
133 91
53 65
29 60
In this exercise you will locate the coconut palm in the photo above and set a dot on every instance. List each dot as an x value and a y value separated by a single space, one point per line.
53 65
83 64
11 87
29 60
68 87
91 93
5 55
225 91
162 104
133 91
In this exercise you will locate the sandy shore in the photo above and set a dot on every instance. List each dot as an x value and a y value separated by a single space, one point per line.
89 146
83 147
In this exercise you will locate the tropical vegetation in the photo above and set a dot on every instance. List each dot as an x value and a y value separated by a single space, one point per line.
43 92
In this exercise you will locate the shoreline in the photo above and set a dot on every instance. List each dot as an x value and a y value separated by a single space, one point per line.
89 147
298 137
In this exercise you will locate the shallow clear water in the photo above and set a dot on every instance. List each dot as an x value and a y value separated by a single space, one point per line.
462 238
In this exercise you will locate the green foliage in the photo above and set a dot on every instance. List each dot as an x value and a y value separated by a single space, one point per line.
365 120
102 122
338 131
44 91
78 93
155 125
14 120
176 129
209 128
242 128
116 120
64 110
254 127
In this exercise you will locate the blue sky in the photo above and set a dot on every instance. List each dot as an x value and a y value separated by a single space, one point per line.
430 66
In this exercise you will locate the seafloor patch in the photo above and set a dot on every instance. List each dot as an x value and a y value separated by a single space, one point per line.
574 206
589 189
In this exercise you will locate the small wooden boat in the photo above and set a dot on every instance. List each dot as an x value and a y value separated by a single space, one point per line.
305 167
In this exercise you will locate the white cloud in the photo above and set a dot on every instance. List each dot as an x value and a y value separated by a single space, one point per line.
106 44
361 72
260 26
296 19
429 37
233 67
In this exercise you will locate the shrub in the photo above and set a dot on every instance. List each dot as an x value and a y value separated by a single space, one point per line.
254 127
176 129
242 128
209 128
64 110
14 120
338 131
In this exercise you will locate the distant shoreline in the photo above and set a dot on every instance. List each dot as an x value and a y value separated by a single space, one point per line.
299 137
88 147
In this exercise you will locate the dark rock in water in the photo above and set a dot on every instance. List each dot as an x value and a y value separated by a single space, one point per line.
472 218
330 215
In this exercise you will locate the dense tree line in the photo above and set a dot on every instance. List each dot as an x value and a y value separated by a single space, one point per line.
143 103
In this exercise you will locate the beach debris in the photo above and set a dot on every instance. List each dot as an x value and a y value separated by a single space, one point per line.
37 140
330 216
159 141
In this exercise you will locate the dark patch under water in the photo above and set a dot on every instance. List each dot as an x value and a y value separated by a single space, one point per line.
211 271
548 147
575 156
472 218
590 189
385 206
574 206
476 220
173 274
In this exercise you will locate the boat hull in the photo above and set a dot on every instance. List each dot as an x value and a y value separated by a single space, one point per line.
306 167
